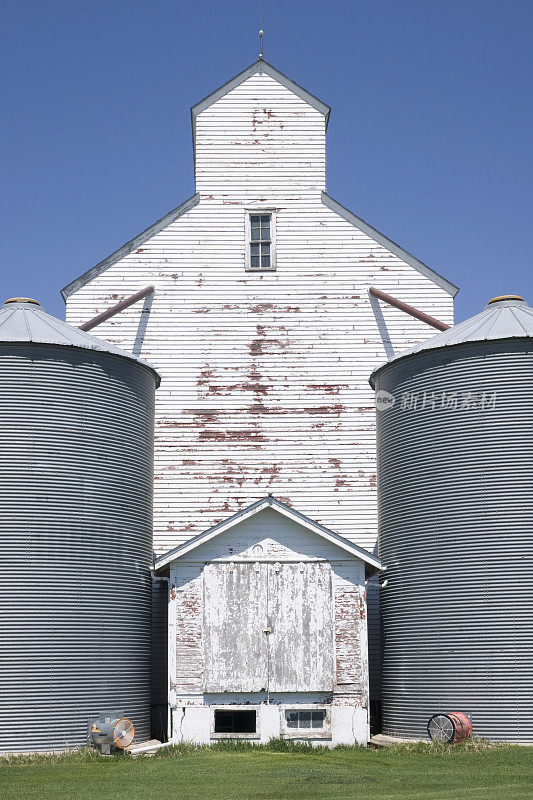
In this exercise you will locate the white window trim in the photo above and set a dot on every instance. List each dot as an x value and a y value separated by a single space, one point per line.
306 733
248 235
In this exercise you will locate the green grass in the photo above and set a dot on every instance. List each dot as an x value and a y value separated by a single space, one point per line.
278 771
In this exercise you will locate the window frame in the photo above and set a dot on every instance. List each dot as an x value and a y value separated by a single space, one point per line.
252 212
230 709
306 733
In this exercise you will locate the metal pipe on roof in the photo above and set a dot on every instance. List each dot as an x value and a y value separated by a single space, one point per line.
116 309
414 312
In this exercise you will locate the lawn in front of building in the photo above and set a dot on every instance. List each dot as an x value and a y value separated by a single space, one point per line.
279 771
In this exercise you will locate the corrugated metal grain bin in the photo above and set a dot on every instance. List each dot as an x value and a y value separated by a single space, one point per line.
76 476
455 489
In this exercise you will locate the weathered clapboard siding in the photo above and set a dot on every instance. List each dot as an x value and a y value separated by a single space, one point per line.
268 573
260 138
186 664
264 375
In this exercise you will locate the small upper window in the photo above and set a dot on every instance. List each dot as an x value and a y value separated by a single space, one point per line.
305 719
260 241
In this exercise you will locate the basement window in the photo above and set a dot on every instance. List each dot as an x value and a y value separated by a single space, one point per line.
235 722
300 720
260 253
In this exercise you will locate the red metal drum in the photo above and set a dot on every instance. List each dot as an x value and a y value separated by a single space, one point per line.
462 726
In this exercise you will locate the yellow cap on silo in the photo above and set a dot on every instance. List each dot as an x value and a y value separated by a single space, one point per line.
22 300
505 297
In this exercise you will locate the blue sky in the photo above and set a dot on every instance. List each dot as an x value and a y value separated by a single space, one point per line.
429 139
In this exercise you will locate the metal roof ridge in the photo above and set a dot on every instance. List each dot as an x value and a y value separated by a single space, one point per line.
469 326
5 317
45 317
30 325
474 329
516 311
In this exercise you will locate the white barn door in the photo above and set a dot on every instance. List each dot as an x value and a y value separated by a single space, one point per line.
293 602
235 617
300 616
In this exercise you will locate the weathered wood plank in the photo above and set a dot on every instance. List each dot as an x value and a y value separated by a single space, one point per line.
234 620
301 620
186 600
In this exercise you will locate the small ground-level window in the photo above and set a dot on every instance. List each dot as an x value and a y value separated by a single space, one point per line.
235 722
305 719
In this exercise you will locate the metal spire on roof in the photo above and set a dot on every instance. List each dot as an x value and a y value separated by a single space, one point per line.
260 30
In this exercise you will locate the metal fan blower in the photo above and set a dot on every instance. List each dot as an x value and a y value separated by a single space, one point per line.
450 728
111 733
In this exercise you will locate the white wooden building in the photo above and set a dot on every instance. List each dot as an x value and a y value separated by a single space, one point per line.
261 324
268 633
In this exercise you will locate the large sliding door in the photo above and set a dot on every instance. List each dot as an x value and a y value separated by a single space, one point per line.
268 627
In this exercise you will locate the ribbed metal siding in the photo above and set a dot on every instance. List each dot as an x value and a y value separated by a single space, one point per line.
76 449
455 491
159 664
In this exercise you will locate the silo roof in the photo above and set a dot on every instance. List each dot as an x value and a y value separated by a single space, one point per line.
24 321
506 317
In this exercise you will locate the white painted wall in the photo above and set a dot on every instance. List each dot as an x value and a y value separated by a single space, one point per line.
260 141
264 374
218 654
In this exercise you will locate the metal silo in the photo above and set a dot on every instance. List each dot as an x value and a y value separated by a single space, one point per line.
76 473
455 489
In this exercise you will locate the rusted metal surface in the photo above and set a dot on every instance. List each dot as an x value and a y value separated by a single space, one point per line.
76 426
414 312
116 309
455 475
462 726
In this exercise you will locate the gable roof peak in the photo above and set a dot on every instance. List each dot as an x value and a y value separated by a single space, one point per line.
259 67
372 562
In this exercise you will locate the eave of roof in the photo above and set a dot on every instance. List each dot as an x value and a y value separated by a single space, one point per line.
506 319
27 323
130 246
373 562
383 240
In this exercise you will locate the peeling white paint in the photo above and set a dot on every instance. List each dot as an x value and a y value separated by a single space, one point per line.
270 635
264 375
